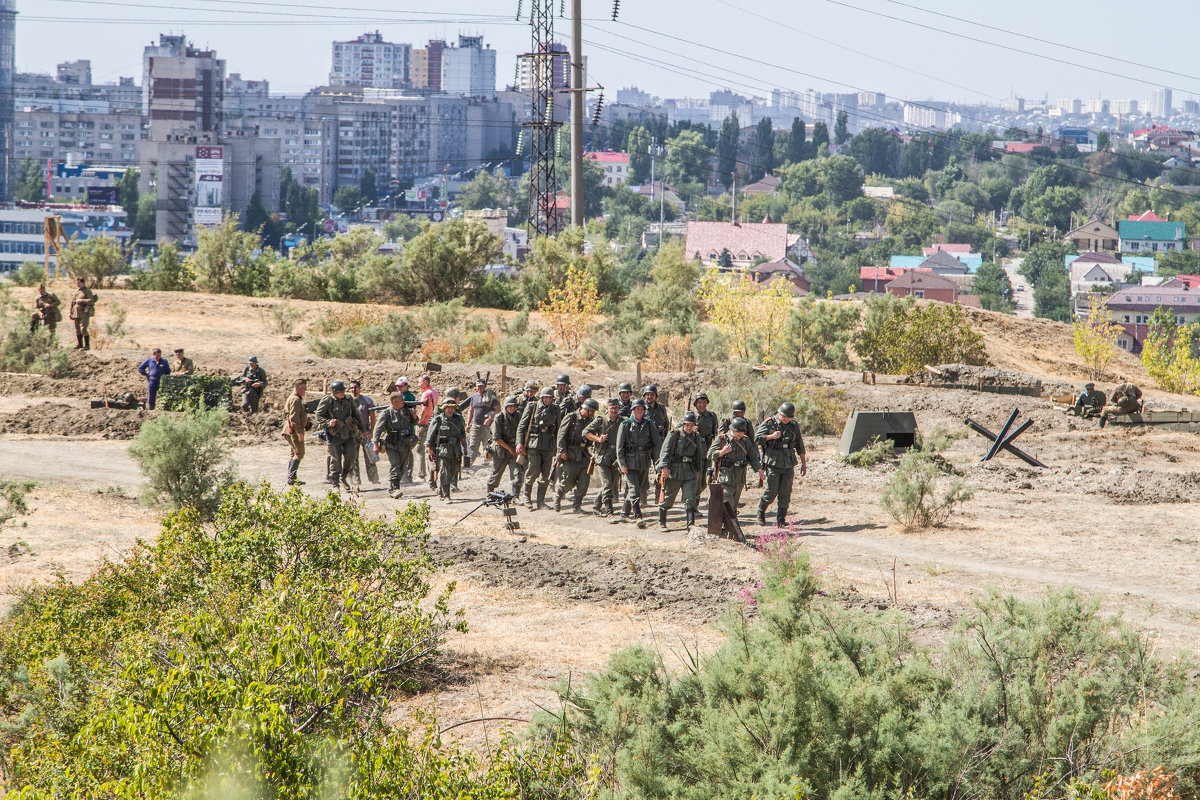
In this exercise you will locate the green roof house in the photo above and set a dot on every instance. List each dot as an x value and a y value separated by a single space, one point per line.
1144 236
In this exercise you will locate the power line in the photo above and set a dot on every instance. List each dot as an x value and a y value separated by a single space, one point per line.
450 17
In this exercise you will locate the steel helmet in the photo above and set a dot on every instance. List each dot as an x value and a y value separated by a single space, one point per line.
563 379
337 386
787 410
547 392
740 424
511 400
700 396
739 405
584 391
651 388
625 387
689 417
531 387
614 401
639 403
591 405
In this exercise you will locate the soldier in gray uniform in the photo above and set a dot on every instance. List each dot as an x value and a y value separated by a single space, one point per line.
446 444
530 395
537 435
679 464
637 444
625 394
782 447
573 456
738 412
564 398
337 416
729 454
656 412
394 435
602 433
504 448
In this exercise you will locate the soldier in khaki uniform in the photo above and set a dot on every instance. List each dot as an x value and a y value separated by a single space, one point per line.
782 446
729 454
679 464
1126 398
504 447
573 456
82 308
183 365
47 311
638 444
338 417
295 423
602 433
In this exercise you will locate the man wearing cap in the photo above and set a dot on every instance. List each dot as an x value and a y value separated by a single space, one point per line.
1090 402
479 417
625 395
679 464
738 412
337 416
183 364
537 439
254 381
429 406
706 426
564 398
638 444
782 446
530 395
295 423
729 454
393 434
152 369
366 417
46 310
573 455
504 448
602 433
446 444
82 307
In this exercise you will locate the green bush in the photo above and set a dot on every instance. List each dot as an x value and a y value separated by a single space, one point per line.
878 451
185 459
807 698
394 338
920 494
30 273
256 656
497 291
37 352
901 336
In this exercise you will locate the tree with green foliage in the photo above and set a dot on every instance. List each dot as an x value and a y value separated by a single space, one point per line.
818 333
763 146
672 270
1054 207
638 147
840 178
914 156
257 217
797 143
128 193
368 188
488 190
687 160
1052 294
901 336
147 218
185 459
169 271
727 149
878 150
1168 265
820 136
225 260
1043 256
993 287
97 259
841 128
29 185
440 263
347 198
1102 141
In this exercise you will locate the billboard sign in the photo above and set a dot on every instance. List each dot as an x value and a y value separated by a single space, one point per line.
210 185
103 196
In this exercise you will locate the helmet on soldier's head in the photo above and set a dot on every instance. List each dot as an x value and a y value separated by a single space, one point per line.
614 401
787 410
740 424
449 401
531 387
591 405
511 400
129 398
1089 386
699 397
639 403
739 405
337 386
481 382
584 391
689 417
625 387
650 389
253 359
547 392
563 379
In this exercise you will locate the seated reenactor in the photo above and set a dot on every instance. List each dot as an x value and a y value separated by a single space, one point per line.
1126 398
1090 402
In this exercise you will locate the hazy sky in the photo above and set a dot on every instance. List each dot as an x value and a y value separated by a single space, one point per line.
746 45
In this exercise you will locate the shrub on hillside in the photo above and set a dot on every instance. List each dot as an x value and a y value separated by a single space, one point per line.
900 336
920 494
185 459
878 451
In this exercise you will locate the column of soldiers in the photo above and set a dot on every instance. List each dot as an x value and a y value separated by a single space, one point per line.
557 439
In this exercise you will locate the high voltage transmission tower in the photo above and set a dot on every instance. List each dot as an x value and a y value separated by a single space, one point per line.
542 129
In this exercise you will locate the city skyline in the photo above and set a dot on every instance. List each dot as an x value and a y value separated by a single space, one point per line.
686 59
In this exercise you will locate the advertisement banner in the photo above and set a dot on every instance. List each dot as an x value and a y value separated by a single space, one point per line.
210 185
103 196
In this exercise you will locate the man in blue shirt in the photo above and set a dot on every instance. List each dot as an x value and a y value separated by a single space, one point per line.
152 369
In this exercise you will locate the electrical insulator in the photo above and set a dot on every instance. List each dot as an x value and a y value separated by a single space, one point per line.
616 9
599 108
520 142
519 10
562 8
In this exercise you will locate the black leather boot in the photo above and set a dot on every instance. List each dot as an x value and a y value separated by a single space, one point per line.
87 342
293 465
78 342
662 520
762 516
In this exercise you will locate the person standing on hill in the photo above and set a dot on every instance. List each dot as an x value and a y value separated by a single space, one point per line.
602 433
394 435
679 463
446 444
429 407
153 369
183 364
638 445
537 439
782 448
82 308
338 417
295 423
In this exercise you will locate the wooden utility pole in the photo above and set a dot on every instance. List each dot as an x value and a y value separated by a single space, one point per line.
55 242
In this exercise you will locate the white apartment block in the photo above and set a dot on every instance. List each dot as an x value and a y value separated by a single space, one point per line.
370 61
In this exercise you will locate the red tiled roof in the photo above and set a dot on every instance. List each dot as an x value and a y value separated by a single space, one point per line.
1021 147
1146 216
947 248
922 279
879 273
1184 281
753 239
608 157
1091 256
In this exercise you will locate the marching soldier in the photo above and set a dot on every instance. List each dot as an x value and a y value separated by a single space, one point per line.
782 446
679 464
446 445
537 436
656 412
504 447
338 417
602 433
394 435
46 311
82 308
729 454
738 412
564 398
637 443
530 395
706 426
295 423
573 455
625 393
254 381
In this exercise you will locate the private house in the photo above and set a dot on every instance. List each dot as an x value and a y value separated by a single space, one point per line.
746 242
768 184
1146 236
874 279
1094 236
615 166
941 262
924 286
783 269
1097 270
1132 307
